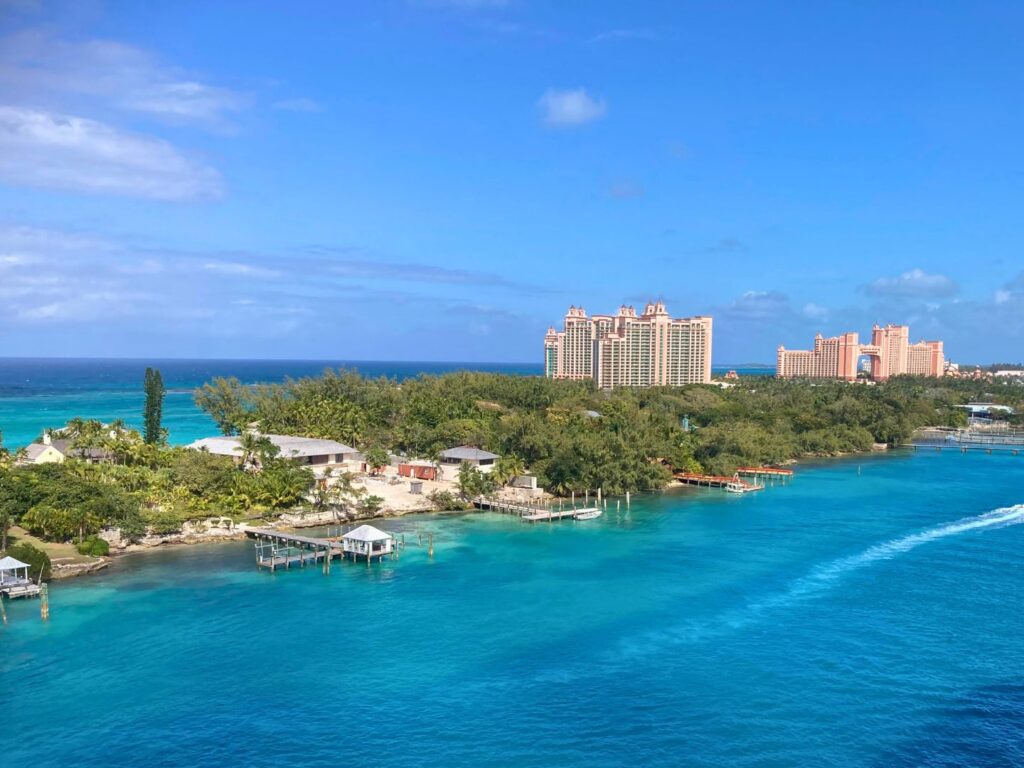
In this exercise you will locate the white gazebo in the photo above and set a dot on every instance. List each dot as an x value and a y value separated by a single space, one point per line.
367 541
14 579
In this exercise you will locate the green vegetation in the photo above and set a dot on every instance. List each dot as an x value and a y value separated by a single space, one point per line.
570 435
32 556
144 487
94 546
574 437
153 410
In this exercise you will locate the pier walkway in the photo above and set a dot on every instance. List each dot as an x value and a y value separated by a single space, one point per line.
281 549
530 513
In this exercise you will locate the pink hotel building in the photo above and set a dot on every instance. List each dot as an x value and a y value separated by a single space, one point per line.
626 350
890 351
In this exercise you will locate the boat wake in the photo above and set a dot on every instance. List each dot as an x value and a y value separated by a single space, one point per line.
817 581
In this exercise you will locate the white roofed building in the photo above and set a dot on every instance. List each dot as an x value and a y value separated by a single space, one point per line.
311 451
453 458
367 541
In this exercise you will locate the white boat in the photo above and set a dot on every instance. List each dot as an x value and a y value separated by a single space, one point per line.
738 486
587 514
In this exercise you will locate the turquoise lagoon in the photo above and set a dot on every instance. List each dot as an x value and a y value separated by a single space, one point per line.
867 614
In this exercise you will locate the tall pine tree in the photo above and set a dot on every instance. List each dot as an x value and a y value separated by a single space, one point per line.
153 412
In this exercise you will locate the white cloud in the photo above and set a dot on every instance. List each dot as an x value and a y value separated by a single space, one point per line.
915 283
240 268
43 149
35 65
815 312
564 108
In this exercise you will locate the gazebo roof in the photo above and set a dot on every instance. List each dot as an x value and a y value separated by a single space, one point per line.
367 533
10 564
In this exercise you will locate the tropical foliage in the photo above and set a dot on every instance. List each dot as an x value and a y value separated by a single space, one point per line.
574 437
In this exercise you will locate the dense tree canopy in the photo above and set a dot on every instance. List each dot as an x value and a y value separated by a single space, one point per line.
575 437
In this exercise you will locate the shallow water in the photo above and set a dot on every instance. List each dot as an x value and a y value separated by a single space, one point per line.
867 614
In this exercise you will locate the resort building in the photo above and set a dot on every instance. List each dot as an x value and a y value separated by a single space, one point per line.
630 350
890 353
318 454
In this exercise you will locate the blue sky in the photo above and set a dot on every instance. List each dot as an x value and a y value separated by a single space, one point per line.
440 179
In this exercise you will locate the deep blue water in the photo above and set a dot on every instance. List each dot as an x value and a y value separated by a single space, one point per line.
41 393
867 614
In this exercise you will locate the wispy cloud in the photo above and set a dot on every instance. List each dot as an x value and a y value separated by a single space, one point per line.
916 283
572 107
760 305
43 149
612 35
350 263
241 269
300 104
36 66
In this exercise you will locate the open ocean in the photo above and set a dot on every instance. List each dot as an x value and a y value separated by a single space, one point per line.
866 614
42 393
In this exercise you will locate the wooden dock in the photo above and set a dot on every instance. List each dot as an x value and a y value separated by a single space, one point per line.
530 513
710 481
549 515
280 549
765 472
21 590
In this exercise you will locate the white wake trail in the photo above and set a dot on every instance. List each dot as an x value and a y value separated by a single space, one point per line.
818 580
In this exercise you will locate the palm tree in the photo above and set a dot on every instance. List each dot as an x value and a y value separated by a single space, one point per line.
256 450
507 468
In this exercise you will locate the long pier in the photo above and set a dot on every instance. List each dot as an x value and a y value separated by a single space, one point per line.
765 472
279 549
965 440
528 513
712 481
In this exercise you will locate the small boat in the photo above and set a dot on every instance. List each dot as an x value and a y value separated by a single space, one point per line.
587 514
737 486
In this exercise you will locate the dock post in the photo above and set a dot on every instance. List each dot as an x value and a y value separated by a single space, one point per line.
574 499
586 498
3 610
44 602
430 551
598 495
627 499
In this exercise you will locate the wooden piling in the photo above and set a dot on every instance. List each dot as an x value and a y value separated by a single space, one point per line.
44 602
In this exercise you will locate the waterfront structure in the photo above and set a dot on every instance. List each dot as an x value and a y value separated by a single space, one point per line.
367 542
316 453
629 350
15 581
890 353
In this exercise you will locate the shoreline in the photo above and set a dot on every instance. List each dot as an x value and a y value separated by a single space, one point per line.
216 534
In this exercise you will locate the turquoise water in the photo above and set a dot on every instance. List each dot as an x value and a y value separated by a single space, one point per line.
867 614
41 393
